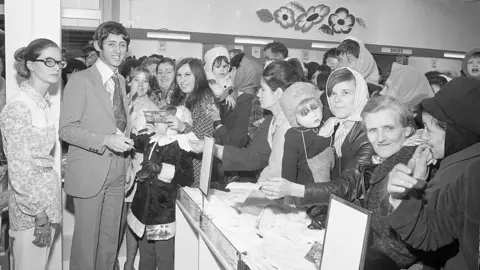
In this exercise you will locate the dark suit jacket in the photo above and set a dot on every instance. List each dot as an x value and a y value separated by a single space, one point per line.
86 117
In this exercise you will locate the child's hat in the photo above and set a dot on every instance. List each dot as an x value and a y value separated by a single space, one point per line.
293 96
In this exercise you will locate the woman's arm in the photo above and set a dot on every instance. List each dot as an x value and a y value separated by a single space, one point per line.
29 193
252 158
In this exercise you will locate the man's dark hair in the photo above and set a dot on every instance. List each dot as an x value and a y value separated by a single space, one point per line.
332 53
349 46
107 28
277 47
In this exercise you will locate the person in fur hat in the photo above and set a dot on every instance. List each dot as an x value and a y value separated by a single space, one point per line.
167 164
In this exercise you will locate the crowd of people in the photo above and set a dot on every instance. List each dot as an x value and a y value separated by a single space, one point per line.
405 146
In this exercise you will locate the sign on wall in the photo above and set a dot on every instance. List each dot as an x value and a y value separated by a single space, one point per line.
396 50
162 47
256 52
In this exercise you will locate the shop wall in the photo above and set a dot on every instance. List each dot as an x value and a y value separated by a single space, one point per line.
424 64
174 50
436 24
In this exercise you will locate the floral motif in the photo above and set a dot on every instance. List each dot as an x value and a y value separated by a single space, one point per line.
341 21
314 15
285 17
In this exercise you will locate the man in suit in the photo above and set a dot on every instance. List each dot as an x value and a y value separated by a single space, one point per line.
94 122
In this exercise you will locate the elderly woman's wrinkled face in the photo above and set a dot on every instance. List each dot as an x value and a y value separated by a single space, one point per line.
385 132
434 136
342 99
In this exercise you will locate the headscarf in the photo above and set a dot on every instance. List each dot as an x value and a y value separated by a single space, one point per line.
293 96
210 57
465 60
366 64
457 105
361 98
408 85
247 76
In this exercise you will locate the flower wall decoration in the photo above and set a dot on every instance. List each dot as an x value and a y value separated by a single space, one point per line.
339 22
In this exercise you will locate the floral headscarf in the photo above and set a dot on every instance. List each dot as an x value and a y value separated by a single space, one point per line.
408 85
361 98
366 64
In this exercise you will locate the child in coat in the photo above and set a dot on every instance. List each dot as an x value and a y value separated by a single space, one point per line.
166 166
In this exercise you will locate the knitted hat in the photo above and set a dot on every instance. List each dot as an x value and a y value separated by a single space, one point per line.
210 57
293 96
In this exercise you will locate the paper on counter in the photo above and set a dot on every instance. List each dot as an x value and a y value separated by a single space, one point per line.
244 186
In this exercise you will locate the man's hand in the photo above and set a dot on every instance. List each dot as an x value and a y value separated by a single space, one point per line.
118 143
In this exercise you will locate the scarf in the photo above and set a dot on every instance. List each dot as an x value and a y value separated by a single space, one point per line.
366 64
408 85
361 98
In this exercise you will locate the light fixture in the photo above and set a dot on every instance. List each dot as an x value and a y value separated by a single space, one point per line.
454 55
259 41
165 35
322 45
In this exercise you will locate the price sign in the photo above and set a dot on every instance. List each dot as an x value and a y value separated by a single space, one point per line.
305 56
256 52
162 47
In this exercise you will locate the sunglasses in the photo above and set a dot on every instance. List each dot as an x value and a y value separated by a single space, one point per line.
50 62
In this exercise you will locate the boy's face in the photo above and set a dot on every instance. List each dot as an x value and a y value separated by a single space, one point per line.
473 66
220 70
347 60
312 119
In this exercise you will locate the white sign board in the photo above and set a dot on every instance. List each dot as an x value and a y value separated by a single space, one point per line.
239 47
396 50
342 240
256 52
207 161
162 47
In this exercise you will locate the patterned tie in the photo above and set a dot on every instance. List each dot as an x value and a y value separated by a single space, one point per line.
118 106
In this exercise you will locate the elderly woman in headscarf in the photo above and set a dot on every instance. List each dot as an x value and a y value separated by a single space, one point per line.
444 214
353 54
408 85
347 95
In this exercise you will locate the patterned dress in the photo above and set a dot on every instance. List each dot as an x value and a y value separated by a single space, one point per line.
202 126
29 139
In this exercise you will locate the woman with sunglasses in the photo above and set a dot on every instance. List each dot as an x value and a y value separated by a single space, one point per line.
29 137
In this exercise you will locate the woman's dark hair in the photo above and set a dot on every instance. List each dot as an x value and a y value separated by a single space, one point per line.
201 84
73 65
295 63
126 67
280 74
31 53
348 46
166 60
151 60
338 76
219 60
332 53
277 47
107 28
323 77
236 60
312 67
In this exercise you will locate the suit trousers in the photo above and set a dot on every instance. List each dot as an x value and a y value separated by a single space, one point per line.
97 223
156 254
